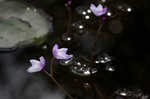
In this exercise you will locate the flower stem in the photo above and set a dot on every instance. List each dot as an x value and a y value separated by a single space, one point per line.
94 44
51 66
69 17
57 84
98 91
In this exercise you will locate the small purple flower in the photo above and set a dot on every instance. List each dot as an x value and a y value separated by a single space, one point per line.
36 65
103 18
99 10
60 53
69 2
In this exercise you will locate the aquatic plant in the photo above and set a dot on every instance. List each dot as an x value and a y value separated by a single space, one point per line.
60 53
79 63
36 65
99 10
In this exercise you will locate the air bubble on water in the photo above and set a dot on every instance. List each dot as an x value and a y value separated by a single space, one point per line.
44 47
84 65
79 28
124 8
89 11
109 14
129 9
87 17
78 63
94 70
82 10
110 68
96 61
84 13
81 69
78 25
103 58
123 92
131 93
66 37
87 72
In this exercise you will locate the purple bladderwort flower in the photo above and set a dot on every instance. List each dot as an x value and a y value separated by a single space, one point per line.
99 10
69 2
103 18
36 65
60 53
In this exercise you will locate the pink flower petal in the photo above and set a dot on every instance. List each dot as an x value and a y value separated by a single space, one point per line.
34 62
99 10
92 7
60 53
33 69
99 7
42 60
36 65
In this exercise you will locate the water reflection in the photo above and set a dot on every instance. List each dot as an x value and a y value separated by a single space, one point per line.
16 83
131 93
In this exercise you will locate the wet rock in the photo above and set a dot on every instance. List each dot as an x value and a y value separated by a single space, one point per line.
22 25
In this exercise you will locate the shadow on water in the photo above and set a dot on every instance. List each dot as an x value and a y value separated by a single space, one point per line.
131 51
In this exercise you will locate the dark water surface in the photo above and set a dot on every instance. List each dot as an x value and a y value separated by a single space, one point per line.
131 51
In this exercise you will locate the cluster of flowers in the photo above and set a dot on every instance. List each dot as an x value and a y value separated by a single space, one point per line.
38 65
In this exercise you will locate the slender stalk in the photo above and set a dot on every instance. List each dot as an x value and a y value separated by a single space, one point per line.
94 44
98 91
51 66
69 17
97 35
57 84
